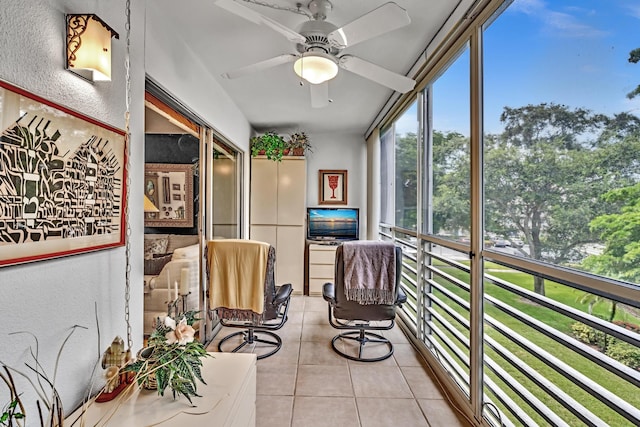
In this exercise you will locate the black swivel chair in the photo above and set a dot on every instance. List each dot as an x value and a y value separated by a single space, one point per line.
274 316
356 317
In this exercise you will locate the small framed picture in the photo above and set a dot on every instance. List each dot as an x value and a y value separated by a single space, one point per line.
332 187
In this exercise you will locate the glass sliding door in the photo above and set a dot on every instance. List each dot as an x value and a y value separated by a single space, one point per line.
226 170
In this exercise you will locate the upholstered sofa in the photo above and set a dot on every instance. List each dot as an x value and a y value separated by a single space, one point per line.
166 256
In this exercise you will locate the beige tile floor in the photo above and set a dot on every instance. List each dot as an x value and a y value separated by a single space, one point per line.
306 384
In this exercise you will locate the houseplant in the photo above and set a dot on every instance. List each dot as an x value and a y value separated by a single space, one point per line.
172 358
299 143
270 144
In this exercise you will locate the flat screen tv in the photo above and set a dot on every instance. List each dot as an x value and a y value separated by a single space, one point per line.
332 223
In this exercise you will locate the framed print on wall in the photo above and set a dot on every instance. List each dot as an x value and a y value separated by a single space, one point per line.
333 187
170 188
62 180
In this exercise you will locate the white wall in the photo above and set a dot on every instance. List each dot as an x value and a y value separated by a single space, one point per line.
340 151
47 297
165 59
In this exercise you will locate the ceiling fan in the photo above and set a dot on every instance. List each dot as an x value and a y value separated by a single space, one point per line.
319 44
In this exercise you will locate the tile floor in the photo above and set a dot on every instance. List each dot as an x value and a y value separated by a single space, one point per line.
306 384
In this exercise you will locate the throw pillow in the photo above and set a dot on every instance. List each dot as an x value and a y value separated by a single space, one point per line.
155 246
180 241
153 266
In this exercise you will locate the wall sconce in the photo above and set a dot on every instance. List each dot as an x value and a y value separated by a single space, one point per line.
89 47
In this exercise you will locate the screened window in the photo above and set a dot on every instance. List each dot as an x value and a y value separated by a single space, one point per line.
562 135
450 151
406 168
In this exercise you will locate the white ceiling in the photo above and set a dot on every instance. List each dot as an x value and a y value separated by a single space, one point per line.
274 99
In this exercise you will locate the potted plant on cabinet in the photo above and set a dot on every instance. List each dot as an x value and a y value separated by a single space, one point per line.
299 143
172 358
269 144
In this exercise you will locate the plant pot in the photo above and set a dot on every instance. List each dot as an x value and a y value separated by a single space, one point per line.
149 381
298 151
285 152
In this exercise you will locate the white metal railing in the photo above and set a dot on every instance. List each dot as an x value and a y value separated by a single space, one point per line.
532 373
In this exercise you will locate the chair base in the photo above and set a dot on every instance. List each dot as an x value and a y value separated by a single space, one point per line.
362 337
250 336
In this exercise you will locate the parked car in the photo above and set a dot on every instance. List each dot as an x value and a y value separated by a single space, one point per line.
501 243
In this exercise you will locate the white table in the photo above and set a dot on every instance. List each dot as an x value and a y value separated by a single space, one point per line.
228 399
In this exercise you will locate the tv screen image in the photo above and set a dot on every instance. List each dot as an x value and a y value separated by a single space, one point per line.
332 223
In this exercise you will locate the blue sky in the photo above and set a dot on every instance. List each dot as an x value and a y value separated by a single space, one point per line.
572 52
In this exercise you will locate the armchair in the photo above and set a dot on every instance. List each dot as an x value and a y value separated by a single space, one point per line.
159 283
242 292
365 310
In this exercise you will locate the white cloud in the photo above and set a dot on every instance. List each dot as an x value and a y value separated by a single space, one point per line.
569 25
565 24
634 9
529 7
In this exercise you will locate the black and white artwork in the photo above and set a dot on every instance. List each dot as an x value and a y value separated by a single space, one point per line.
61 180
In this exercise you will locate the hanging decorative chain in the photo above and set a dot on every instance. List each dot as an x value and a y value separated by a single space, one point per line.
299 10
127 66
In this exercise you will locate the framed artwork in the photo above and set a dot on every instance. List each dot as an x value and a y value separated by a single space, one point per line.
332 187
62 180
170 188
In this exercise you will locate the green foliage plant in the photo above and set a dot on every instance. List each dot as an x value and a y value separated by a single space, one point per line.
13 412
299 142
271 143
173 357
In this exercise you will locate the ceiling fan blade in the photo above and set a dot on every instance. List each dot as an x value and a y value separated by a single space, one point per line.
259 66
386 18
376 73
257 18
319 95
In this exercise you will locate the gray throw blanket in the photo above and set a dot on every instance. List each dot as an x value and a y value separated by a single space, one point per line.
369 272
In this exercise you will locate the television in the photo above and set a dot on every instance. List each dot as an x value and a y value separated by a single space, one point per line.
335 224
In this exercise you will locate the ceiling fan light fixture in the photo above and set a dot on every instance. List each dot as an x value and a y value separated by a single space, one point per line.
316 68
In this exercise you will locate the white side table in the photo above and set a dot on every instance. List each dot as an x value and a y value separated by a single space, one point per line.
228 399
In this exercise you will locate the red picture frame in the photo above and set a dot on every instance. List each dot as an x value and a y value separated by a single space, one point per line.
62 180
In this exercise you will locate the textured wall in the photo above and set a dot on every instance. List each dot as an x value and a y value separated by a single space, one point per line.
339 151
47 297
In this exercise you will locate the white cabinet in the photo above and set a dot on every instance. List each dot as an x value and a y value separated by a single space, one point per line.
278 214
228 399
322 259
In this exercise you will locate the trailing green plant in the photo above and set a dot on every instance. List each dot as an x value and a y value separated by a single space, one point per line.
11 413
272 144
172 356
14 410
48 403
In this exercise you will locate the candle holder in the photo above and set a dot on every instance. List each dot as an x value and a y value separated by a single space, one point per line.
183 297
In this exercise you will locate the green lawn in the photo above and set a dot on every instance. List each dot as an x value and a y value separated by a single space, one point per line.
567 296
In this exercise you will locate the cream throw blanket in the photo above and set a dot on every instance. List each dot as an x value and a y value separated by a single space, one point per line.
369 272
237 271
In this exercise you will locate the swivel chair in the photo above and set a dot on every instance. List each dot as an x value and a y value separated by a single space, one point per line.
232 275
345 314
